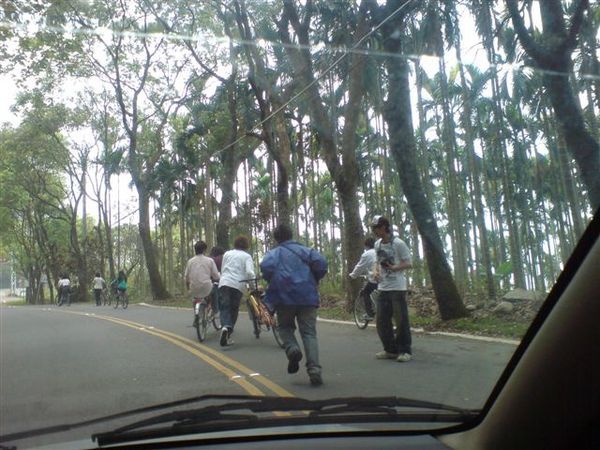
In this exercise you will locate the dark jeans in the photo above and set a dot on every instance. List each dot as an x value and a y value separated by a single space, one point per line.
214 298
97 293
306 316
365 292
392 304
229 306
64 297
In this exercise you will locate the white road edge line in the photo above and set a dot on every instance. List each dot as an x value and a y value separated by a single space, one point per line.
415 330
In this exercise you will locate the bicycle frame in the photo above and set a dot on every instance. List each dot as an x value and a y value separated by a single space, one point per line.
259 313
259 308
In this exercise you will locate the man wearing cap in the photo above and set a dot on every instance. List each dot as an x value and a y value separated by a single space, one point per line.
392 259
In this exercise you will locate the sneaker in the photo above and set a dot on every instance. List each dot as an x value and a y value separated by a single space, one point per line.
315 379
368 317
224 337
404 357
230 341
294 358
386 355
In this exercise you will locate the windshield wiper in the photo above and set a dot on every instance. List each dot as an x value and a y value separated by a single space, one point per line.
131 412
217 416
335 410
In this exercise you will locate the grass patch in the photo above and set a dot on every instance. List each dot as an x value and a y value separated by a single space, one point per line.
177 301
337 312
489 326
16 302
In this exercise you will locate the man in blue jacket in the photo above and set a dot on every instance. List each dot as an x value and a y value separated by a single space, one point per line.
293 272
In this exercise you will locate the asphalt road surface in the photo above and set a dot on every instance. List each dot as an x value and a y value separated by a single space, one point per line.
68 364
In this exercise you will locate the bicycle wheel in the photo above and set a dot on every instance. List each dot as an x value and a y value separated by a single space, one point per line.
117 298
202 322
254 316
275 329
215 318
360 313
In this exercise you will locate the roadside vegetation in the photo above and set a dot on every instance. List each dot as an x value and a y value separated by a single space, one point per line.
140 130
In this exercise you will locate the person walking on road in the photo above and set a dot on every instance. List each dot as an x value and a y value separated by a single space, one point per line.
200 272
293 272
393 258
99 285
237 266
364 267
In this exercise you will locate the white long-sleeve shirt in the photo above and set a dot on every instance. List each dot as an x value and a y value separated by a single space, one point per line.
99 283
365 265
237 265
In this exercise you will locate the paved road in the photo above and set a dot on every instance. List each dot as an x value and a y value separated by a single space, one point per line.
61 365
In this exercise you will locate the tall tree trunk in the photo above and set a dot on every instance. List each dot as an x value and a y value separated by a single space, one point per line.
455 193
274 134
474 170
345 173
399 118
231 161
159 291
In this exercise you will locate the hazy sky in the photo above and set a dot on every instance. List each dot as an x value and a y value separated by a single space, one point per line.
8 90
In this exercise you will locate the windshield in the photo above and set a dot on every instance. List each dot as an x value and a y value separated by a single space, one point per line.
313 200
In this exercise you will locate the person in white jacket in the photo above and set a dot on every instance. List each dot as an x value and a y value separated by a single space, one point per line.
364 267
237 265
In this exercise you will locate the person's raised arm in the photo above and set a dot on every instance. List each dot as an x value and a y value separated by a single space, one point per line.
361 268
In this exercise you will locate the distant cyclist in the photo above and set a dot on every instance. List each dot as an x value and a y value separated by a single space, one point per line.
200 272
122 283
64 290
364 267
99 285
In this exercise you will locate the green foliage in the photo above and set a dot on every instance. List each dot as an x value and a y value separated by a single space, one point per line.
184 126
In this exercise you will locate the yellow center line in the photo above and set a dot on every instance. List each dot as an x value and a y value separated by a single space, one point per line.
236 364
206 354
230 374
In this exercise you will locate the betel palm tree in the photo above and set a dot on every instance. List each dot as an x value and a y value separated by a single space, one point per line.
499 146
451 167
551 51
472 82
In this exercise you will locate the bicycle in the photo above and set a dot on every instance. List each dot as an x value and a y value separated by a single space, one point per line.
106 297
261 317
121 297
361 318
64 296
203 314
